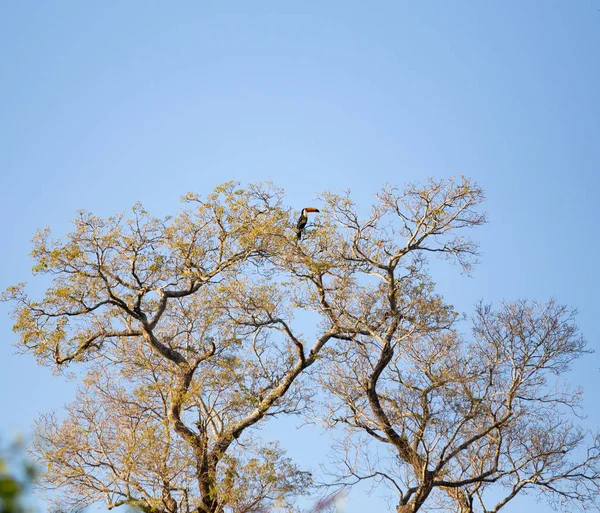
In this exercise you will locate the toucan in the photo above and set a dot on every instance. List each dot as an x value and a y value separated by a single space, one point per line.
303 220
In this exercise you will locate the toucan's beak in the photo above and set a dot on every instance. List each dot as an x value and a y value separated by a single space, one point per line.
311 209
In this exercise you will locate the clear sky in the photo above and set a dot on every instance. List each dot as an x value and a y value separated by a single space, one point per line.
104 103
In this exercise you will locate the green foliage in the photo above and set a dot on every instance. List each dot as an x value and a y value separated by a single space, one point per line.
16 476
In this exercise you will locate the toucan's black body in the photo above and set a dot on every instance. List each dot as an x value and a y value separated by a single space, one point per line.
303 220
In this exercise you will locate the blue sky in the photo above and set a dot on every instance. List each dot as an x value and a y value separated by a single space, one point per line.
104 104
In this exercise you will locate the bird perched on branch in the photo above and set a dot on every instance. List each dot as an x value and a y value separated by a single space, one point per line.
303 220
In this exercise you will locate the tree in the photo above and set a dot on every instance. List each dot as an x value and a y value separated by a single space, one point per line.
172 321
188 333
452 415
16 476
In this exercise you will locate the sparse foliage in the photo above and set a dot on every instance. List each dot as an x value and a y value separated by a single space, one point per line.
187 335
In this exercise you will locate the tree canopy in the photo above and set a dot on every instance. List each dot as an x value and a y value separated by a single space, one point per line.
189 332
